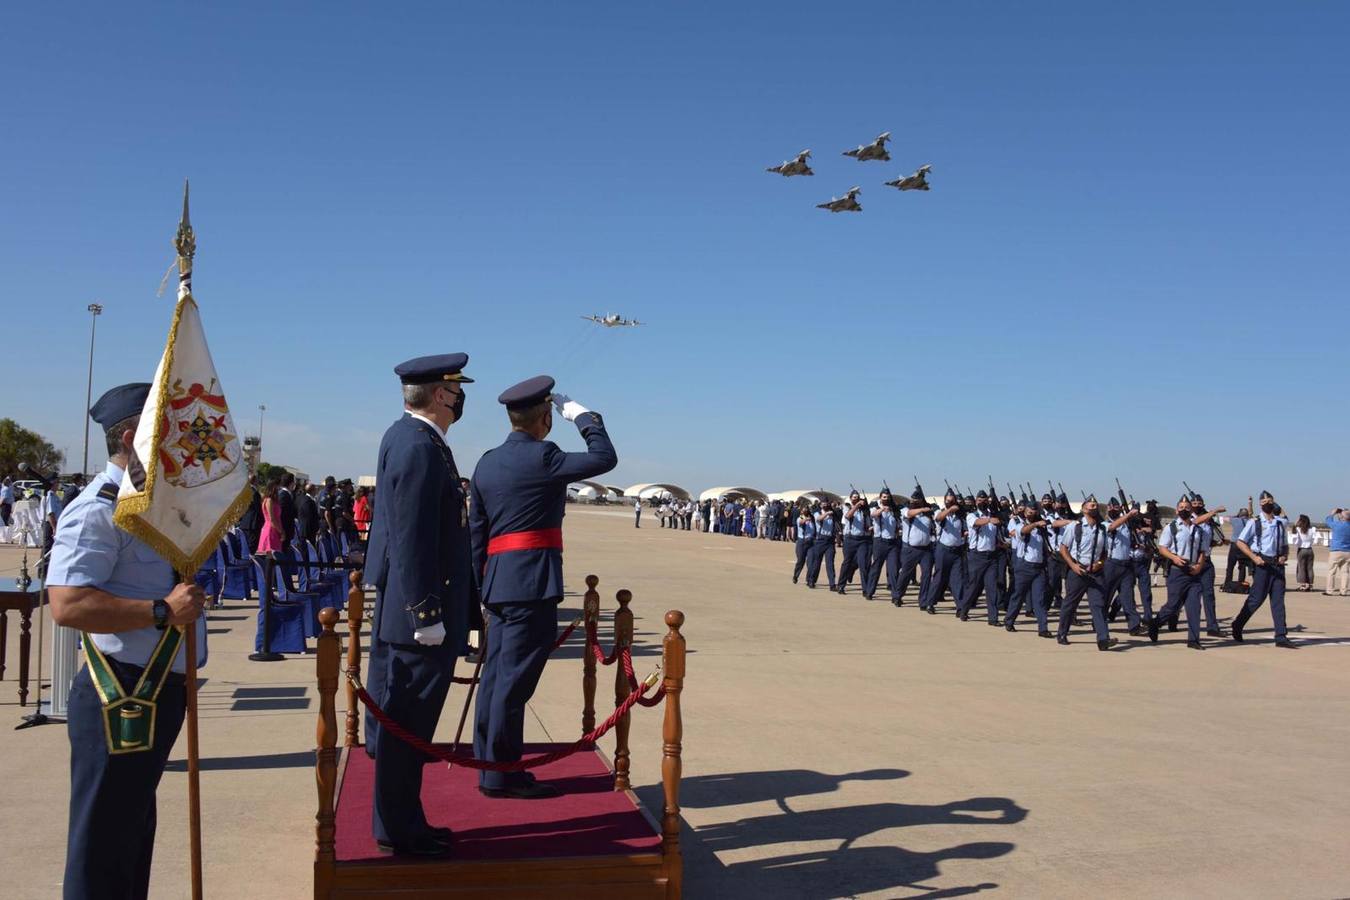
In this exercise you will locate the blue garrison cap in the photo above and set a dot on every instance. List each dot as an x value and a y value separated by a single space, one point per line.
529 392
430 369
119 403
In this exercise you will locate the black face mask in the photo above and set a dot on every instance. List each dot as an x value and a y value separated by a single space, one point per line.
1184 513
457 407
1268 508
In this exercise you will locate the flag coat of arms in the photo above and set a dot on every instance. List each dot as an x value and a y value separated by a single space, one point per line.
196 483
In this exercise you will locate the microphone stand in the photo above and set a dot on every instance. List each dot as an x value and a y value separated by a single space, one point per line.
37 717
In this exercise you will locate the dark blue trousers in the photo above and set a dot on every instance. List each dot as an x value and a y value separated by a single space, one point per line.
1144 584
803 552
885 551
520 638
1183 588
1267 581
912 558
857 557
1207 596
949 570
1118 582
1076 587
1030 587
112 798
981 576
821 551
412 688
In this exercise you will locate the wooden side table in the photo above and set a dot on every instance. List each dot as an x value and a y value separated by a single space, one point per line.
23 602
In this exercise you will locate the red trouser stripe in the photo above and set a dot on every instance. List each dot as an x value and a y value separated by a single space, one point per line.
540 539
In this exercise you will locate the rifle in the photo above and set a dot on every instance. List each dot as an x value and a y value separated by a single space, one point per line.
1190 493
1126 501
1011 495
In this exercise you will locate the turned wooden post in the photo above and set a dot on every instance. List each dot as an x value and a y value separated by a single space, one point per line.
623 637
590 621
325 771
356 610
672 733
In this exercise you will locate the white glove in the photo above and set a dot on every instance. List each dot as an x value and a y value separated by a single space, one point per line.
431 636
568 408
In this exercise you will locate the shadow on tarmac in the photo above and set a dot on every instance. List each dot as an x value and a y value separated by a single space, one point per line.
843 870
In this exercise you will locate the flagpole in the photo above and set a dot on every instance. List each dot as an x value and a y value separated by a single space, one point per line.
185 242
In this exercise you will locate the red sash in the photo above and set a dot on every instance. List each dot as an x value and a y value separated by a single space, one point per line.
539 539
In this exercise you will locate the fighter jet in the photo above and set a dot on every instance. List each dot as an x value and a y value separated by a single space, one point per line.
613 320
847 203
916 182
875 150
792 167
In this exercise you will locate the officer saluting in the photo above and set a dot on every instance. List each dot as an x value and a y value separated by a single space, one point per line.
418 561
126 705
519 497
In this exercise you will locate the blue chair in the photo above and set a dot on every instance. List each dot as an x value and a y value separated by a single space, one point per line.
208 576
286 584
238 579
313 577
285 620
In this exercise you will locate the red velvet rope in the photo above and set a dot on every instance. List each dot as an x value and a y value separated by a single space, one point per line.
594 640
654 699
586 742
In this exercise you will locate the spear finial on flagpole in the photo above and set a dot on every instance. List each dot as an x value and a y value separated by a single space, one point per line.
185 242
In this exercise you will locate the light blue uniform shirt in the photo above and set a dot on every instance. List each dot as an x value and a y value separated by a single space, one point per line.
885 525
918 530
806 531
1118 544
7 494
1086 542
1274 539
950 532
984 538
824 526
1031 549
1189 542
90 551
52 503
855 524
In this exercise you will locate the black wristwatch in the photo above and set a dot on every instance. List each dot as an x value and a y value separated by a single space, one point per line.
160 610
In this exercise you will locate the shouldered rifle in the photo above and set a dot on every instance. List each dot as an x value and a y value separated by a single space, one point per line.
1126 501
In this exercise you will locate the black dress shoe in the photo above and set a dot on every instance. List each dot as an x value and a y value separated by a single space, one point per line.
794 579
1107 644
1286 644
1062 640
536 791
931 611
1139 630
1195 645
995 622
427 847
963 616
1044 634
1009 627
1237 631
1153 629
1216 632
1172 623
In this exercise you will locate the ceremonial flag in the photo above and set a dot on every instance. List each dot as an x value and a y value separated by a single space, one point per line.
195 483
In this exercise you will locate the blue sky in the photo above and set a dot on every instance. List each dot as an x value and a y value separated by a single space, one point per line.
1132 262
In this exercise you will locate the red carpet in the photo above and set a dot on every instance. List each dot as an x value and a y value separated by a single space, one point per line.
589 819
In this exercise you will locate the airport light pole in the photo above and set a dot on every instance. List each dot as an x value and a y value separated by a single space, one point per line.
94 309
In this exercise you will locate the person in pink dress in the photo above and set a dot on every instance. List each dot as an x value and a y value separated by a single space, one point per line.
272 538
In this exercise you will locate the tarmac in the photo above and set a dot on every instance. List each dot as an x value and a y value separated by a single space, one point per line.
832 747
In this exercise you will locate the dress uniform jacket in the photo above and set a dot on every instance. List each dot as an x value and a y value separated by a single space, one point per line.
521 486
419 540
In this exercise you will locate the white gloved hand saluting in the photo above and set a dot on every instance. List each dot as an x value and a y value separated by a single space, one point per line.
431 636
568 408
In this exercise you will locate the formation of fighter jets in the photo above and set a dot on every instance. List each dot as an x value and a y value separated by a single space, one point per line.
863 153
613 320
